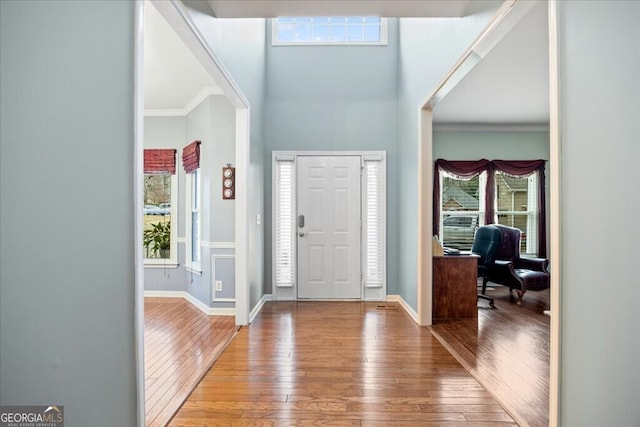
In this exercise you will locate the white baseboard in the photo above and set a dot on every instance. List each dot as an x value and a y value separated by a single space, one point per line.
258 307
211 311
404 305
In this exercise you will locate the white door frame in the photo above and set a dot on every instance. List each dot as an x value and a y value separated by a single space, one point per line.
500 25
289 292
179 19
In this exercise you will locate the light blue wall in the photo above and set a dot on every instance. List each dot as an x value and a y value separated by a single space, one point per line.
168 132
428 49
213 123
67 209
334 98
240 45
600 128
497 145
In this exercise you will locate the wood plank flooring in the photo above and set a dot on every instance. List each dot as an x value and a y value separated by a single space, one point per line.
180 345
507 351
338 364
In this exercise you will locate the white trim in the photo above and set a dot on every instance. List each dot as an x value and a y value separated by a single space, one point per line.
405 305
489 127
218 245
189 107
555 216
214 257
242 217
425 212
210 311
258 307
138 196
161 265
194 270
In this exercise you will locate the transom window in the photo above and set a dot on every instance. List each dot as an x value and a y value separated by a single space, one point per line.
329 30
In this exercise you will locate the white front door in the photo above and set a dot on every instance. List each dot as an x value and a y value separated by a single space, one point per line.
328 227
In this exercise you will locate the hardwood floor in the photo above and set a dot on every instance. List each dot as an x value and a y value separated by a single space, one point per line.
338 364
507 351
180 344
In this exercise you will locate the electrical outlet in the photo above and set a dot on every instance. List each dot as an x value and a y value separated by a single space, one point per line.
218 285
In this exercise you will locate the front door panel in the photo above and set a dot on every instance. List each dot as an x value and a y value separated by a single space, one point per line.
329 227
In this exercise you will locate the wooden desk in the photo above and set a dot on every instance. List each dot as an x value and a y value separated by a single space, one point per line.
455 287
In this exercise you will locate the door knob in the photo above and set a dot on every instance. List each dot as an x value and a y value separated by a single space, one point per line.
301 234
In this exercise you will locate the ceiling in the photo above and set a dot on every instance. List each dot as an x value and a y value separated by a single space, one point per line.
387 8
508 86
173 78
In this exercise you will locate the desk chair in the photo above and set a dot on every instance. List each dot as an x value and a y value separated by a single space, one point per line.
486 243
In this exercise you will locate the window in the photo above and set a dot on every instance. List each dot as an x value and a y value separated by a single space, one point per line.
517 206
159 201
158 235
191 164
509 192
193 221
374 223
329 30
462 209
284 223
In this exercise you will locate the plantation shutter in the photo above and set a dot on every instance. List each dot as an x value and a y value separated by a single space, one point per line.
191 157
374 227
285 261
160 161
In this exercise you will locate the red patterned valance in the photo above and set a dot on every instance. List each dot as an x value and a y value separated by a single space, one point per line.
160 161
191 157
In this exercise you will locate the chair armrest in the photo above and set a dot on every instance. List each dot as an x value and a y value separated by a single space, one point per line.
535 264
503 272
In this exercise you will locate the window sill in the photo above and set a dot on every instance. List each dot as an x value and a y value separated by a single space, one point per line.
169 264
194 269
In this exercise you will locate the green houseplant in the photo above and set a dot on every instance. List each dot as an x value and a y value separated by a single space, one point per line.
157 239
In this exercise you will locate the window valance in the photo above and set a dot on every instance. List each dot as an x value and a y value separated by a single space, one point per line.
160 161
191 157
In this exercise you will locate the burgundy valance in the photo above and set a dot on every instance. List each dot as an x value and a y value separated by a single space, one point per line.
191 157
467 169
159 161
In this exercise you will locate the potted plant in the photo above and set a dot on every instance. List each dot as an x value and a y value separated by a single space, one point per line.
157 239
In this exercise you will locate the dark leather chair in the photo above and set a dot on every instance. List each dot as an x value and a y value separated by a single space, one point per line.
486 243
519 274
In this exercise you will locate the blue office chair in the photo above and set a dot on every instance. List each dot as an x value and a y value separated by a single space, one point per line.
486 243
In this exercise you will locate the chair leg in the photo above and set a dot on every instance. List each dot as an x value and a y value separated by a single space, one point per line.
485 297
520 295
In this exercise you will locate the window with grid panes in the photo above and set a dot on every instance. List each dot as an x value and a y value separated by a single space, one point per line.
329 30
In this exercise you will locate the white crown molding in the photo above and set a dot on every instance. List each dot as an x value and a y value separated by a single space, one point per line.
189 107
